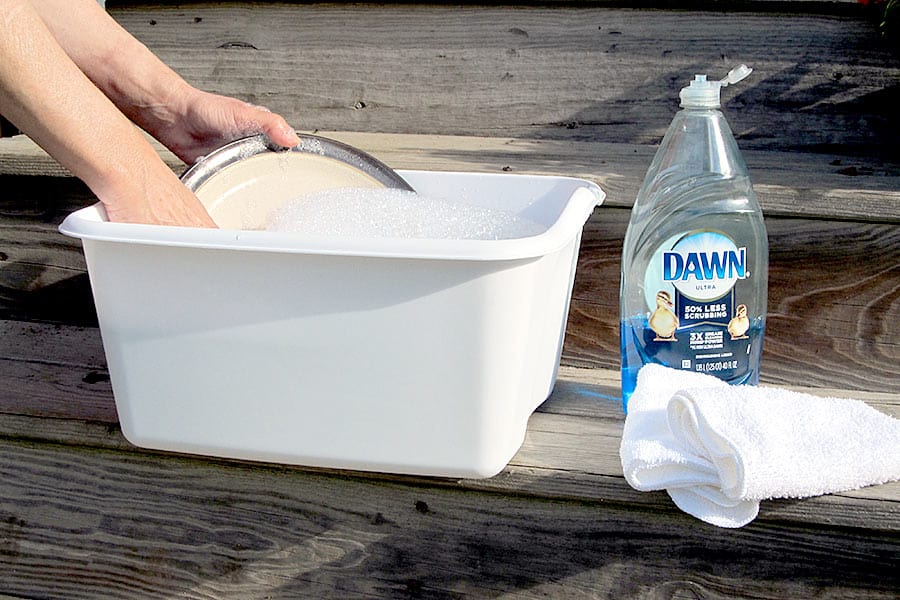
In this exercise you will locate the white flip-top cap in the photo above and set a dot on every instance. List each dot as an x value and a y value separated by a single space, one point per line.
705 94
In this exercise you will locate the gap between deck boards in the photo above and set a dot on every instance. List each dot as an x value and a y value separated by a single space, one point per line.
790 184
570 451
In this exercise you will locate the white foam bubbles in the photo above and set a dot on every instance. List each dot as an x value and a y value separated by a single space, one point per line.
391 213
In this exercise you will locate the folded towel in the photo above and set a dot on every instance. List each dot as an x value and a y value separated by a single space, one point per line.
718 449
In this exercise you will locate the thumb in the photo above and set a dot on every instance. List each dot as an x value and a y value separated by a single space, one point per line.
278 130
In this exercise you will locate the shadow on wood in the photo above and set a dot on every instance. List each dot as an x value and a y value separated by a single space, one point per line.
181 527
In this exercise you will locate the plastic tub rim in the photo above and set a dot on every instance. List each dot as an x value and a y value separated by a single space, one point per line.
90 223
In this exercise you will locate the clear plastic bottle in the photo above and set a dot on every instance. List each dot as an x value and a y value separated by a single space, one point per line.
695 259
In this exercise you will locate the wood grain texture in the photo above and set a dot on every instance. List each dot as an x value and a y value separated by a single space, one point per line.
575 73
811 185
573 91
834 294
796 184
87 523
56 390
834 301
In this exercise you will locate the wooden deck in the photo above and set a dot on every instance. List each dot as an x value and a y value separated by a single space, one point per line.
572 90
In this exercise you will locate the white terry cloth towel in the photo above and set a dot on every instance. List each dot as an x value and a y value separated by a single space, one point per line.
718 449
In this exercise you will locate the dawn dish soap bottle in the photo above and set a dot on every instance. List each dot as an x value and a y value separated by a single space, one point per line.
695 261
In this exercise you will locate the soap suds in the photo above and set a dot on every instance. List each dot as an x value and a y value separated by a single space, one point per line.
391 213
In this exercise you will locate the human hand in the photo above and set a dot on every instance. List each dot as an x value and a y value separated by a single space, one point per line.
191 123
202 122
147 191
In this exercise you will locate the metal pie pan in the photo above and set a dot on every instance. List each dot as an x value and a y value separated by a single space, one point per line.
243 182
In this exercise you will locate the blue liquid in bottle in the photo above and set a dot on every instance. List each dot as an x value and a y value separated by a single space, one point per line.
695 259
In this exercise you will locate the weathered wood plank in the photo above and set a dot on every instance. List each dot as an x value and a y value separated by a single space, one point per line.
598 74
834 302
83 523
846 310
575 73
42 273
56 390
788 184
84 515
20 156
54 371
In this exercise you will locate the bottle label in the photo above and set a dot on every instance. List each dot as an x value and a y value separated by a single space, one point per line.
696 318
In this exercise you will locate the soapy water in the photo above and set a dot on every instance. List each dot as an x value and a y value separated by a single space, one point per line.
312 145
392 213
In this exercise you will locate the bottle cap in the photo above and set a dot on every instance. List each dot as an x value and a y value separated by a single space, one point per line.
705 94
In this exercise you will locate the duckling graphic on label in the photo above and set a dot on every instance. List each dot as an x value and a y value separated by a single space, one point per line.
662 320
739 325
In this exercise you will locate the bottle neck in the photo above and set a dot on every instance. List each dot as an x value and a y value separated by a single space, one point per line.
701 109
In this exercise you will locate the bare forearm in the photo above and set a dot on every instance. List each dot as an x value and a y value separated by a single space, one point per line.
74 80
144 88
48 97
188 121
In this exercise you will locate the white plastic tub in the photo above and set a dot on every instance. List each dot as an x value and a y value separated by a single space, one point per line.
406 356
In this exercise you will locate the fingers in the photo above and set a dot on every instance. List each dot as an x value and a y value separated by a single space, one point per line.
272 125
186 215
198 217
153 195
208 121
283 134
181 210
